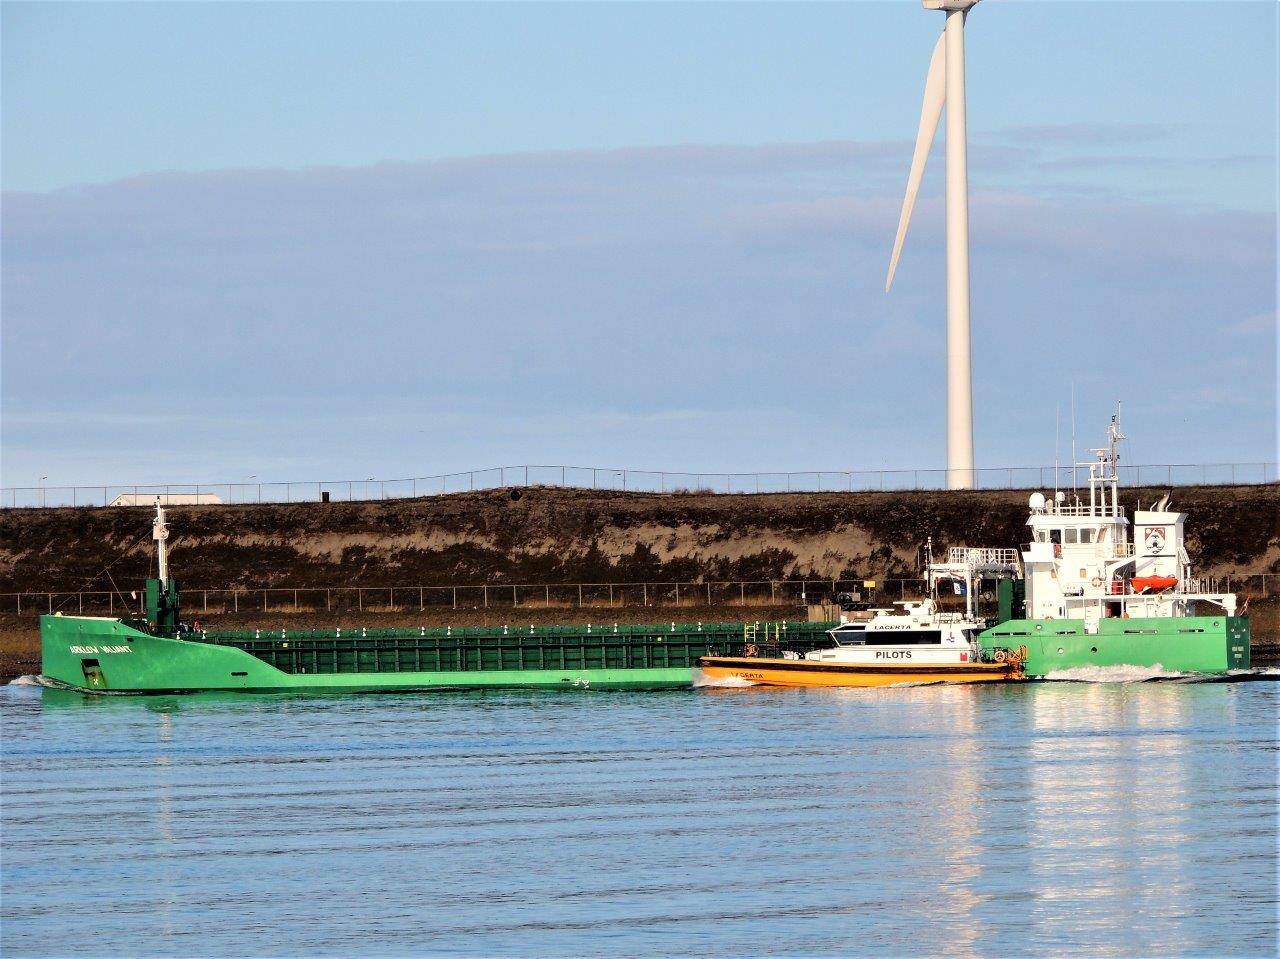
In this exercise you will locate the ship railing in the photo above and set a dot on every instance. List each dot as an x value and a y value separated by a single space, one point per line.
749 595
1100 510
982 556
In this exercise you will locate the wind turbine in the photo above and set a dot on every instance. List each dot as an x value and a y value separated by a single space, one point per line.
945 85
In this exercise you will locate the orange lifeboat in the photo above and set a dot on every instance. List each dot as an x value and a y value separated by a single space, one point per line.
1153 584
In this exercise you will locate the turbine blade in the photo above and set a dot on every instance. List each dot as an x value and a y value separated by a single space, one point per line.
935 94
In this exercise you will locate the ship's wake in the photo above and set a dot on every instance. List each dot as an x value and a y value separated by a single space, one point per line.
702 681
1155 674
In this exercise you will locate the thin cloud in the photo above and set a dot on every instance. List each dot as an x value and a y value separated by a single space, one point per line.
544 288
1087 134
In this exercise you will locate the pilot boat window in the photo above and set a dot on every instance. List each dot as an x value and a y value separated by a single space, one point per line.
1041 536
849 635
1086 536
903 637
1070 536
1055 537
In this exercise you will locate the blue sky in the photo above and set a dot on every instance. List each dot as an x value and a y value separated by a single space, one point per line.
365 239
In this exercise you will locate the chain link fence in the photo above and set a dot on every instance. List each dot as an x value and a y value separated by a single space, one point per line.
641 481
330 599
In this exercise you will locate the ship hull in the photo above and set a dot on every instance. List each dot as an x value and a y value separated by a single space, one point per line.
110 656
1190 644
801 672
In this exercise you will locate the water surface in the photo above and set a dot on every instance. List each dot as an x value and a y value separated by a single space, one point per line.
1041 819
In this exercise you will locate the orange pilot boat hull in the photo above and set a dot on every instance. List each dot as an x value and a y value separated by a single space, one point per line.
803 672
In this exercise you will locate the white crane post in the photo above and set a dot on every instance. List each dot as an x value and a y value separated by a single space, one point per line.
160 533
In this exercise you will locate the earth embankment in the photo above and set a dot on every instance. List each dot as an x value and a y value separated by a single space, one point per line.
549 535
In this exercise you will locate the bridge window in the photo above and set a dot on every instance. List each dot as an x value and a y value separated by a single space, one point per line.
1086 536
1070 535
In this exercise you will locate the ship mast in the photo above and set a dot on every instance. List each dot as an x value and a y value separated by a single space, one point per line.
1104 472
160 533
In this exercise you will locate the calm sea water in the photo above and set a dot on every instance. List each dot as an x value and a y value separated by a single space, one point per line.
1043 819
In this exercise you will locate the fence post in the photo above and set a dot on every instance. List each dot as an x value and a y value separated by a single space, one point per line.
455 597
264 600
50 603
235 600
515 602
485 587
773 592
295 600
204 602
326 599
677 594
644 587
708 593
360 599
80 602
580 587
421 604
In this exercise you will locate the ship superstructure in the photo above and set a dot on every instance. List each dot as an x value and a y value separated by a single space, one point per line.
1082 563
1100 590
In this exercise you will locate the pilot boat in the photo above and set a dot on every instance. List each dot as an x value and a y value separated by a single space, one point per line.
914 642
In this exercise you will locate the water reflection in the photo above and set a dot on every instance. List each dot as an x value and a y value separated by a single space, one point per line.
1041 819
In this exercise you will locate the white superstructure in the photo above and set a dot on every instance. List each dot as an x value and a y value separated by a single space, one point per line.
1083 561
912 632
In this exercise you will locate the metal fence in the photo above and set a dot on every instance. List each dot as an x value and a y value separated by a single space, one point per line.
644 481
285 599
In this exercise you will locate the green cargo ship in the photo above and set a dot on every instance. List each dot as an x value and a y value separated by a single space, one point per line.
114 655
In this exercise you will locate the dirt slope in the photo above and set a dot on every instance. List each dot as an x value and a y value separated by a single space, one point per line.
557 535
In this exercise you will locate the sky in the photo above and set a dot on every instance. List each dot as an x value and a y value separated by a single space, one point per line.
328 241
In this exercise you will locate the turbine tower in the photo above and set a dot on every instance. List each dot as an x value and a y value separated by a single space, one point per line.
945 85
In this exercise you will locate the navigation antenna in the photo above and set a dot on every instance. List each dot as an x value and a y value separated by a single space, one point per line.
1057 447
1074 455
